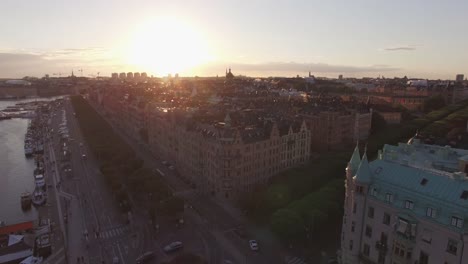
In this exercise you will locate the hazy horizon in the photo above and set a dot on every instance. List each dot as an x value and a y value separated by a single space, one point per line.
362 38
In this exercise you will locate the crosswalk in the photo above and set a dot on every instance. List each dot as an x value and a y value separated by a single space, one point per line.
114 232
295 260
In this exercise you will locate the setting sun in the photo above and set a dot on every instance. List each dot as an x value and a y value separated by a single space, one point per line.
167 46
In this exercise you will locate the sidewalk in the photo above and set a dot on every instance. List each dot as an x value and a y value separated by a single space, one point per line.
76 241
74 226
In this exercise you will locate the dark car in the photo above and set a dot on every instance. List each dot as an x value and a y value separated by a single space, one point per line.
145 257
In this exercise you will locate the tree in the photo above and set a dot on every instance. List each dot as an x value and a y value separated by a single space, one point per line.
187 258
433 103
378 123
144 135
277 196
172 206
287 224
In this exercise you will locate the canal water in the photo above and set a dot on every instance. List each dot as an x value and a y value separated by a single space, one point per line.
16 171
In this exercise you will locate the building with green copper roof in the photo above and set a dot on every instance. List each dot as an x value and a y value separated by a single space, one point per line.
409 205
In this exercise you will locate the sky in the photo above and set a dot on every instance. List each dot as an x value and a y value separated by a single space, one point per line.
359 38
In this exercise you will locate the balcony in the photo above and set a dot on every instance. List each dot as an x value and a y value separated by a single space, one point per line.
381 247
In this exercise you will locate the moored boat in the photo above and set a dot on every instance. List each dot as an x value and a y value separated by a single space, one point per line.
26 200
39 197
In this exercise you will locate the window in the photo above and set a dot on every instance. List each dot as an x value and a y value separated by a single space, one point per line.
389 197
464 195
423 181
359 189
353 226
431 212
354 208
381 259
370 212
368 231
373 192
456 221
383 238
386 219
409 204
423 258
350 245
452 246
366 250
396 251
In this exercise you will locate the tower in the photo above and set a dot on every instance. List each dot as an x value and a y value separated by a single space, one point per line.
358 178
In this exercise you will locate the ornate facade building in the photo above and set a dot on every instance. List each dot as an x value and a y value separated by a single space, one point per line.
408 206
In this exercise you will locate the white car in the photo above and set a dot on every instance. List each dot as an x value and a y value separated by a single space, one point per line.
83 156
173 246
253 245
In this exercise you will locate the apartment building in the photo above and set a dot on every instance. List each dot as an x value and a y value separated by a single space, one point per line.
335 129
407 206
226 157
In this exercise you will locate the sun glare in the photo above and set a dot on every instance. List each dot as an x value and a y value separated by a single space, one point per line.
167 46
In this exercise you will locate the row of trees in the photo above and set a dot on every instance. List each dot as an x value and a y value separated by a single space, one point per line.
120 167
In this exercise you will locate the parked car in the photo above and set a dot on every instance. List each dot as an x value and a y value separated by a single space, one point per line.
145 257
173 247
115 260
171 167
164 162
253 245
83 156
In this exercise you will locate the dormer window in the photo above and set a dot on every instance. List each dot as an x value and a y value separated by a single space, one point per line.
409 204
389 197
464 195
431 212
373 192
456 221
424 181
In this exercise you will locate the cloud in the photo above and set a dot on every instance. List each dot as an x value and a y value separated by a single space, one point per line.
398 48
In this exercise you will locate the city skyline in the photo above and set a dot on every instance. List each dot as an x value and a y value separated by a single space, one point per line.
254 38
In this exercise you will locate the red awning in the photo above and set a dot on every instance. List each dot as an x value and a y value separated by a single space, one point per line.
16 228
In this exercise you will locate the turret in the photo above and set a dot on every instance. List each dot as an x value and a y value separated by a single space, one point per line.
353 163
364 174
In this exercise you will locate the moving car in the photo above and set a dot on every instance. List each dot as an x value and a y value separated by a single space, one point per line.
173 247
145 257
253 245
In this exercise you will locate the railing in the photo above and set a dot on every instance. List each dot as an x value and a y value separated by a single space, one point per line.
382 247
